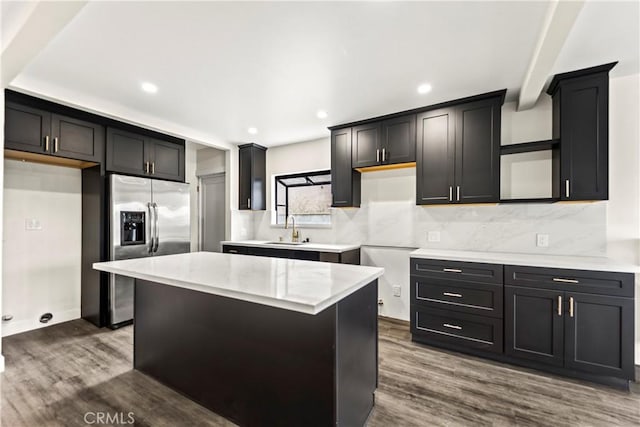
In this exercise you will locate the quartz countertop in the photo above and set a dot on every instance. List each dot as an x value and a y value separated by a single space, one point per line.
311 246
533 260
303 286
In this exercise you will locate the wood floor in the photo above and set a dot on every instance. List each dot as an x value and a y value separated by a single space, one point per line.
67 374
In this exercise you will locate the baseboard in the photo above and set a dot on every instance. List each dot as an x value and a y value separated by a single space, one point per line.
13 327
394 320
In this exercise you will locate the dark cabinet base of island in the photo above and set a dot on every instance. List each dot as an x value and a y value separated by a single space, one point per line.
259 365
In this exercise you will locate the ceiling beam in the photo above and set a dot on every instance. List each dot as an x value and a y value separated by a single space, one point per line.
561 15
46 20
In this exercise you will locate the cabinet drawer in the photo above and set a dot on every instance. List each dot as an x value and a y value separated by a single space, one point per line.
461 329
475 298
457 270
595 282
230 249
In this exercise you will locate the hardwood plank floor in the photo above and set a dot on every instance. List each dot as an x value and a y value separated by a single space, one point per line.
56 375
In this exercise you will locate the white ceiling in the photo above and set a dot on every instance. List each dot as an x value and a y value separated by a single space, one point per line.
222 67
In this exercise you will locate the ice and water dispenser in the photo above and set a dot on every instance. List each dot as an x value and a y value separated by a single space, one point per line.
132 228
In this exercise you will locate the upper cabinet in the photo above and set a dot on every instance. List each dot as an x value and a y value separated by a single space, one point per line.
345 181
39 131
384 142
581 123
252 183
458 152
135 154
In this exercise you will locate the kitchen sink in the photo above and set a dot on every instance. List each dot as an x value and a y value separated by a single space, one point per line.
285 243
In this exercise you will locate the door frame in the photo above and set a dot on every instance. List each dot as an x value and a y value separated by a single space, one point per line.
223 177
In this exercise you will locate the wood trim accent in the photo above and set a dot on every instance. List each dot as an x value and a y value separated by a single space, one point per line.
47 159
387 167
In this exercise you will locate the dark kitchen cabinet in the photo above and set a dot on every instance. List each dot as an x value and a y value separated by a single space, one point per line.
458 153
252 183
39 131
534 325
385 142
345 181
346 257
581 123
135 154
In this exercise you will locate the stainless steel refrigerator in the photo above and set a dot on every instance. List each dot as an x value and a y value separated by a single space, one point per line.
148 217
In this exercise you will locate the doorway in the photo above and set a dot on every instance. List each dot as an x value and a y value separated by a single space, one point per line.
212 212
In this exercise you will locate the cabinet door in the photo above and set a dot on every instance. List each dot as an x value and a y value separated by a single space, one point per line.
244 179
252 178
584 138
126 152
478 152
345 182
259 179
599 335
26 128
77 139
366 147
435 154
534 324
399 140
167 159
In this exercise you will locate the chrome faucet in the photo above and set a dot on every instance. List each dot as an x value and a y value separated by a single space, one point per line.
294 232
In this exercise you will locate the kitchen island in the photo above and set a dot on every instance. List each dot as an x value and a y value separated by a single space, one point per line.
260 341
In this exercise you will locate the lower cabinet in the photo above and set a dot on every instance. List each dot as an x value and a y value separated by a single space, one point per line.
584 332
573 322
347 257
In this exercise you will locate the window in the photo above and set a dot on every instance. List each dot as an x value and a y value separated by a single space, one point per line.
306 196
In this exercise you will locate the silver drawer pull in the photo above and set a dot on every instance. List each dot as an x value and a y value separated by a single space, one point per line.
450 294
451 270
557 279
449 325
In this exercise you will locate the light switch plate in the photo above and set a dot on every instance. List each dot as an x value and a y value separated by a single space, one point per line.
32 224
542 240
433 236
396 290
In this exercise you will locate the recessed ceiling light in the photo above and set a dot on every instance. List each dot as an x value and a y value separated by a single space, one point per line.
149 87
322 114
424 88
252 131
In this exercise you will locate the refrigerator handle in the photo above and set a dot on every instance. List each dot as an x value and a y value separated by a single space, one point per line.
157 231
151 243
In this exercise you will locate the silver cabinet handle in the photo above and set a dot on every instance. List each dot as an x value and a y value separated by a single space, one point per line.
157 230
55 144
451 270
233 251
46 143
450 294
559 305
377 155
558 279
449 325
450 193
566 188
152 241
458 192
153 168
384 155
146 167
571 306
249 202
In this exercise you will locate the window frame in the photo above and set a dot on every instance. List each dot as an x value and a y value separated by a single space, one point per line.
309 183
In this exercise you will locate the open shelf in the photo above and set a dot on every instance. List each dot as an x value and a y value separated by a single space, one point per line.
528 147
531 200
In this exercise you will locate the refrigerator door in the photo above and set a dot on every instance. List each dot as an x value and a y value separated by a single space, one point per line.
172 226
130 198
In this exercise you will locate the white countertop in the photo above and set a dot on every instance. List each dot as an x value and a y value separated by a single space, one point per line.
311 246
533 260
303 286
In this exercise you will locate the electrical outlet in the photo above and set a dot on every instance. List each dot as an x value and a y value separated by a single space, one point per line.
396 290
32 224
542 240
433 236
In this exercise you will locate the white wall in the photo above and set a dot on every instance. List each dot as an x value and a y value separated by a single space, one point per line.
41 267
190 159
389 225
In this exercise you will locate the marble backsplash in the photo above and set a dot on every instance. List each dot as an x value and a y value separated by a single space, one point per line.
573 229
